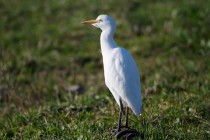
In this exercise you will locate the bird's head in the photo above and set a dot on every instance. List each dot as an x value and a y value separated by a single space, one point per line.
103 22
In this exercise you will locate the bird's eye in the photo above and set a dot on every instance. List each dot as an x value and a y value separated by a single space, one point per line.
100 20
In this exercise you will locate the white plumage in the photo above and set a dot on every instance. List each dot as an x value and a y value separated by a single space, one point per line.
120 70
121 77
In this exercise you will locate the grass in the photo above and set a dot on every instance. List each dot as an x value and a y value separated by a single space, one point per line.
44 50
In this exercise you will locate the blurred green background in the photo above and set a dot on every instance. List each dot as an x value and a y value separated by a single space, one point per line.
45 52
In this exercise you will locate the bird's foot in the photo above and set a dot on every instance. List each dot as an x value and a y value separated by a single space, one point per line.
115 130
124 132
127 134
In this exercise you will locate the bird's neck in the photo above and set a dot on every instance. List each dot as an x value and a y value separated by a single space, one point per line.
107 41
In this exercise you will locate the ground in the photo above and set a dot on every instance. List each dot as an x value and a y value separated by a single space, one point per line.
45 51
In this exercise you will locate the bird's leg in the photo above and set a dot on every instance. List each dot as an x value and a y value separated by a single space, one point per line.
126 117
125 131
115 130
120 116
119 121
121 107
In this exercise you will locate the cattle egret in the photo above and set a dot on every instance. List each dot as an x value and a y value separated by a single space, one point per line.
120 72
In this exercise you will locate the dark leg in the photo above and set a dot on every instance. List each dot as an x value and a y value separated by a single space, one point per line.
119 121
120 116
123 131
117 129
126 119
122 107
126 132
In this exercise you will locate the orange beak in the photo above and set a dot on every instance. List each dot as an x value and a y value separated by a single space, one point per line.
90 22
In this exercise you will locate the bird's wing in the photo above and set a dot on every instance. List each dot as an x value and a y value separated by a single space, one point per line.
126 80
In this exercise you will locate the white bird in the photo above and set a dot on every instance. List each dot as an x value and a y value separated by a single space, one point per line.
120 71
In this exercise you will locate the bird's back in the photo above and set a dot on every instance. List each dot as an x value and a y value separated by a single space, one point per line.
122 78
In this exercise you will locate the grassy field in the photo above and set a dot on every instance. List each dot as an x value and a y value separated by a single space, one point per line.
44 51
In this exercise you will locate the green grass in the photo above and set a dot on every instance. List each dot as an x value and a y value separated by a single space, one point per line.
44 50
